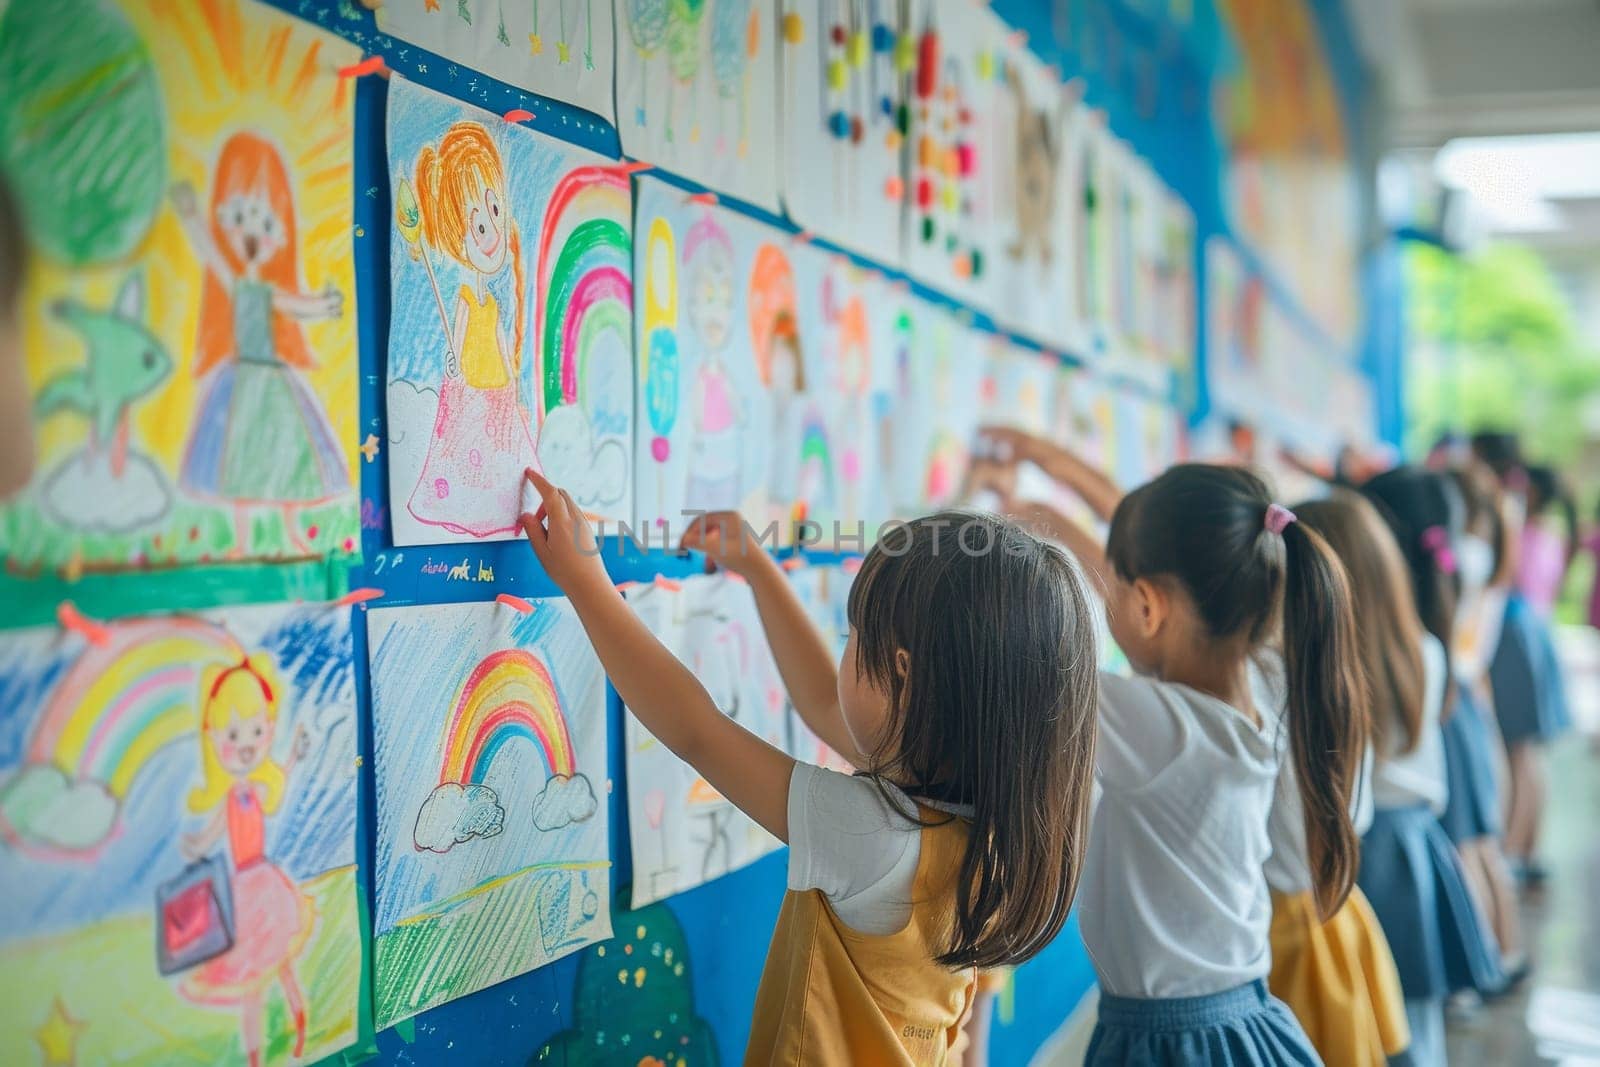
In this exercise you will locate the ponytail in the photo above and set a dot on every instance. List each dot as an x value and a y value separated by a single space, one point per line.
1329 719
519 282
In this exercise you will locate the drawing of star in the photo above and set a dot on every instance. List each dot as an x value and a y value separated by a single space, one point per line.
563 52
430 5
58 1035
535 44
369 447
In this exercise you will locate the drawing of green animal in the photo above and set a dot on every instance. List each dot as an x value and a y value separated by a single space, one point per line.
125 363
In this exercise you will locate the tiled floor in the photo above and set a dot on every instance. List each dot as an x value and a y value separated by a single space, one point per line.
1555 1018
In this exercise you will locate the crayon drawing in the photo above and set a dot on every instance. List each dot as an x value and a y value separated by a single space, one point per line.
706 345
951 196
844 85
177 811
489 733
1146 439
189 331
684 833
1021 389
824 592
935 404
697 85
1034 216
556 48
510 339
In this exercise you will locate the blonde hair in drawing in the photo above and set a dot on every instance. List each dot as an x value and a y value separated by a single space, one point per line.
235 693
450 179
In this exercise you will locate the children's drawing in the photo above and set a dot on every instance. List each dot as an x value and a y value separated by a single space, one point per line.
774 316
1021 388
107 486
259 436
483 362
700 382
189 334
937 394
1146 439
697 92
178 805
490 740
1034 206
684 832
633 1000
557 48
955 91
844 120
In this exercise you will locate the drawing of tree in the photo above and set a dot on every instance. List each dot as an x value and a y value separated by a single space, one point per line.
633 1000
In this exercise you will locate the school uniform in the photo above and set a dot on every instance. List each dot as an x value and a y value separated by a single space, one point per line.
1530 697
1337 976
1412 877
849 976
1174 907
1472 808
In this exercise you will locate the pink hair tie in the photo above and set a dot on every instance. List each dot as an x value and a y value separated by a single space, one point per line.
1278 518
1436 539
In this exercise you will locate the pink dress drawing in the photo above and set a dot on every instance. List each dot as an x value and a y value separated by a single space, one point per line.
471 482
272 919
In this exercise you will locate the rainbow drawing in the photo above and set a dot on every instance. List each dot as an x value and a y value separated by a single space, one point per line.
508 695
585 264
121 703
814 449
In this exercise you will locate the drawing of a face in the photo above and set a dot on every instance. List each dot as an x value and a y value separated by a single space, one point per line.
243 741
252 229
711 297
485 244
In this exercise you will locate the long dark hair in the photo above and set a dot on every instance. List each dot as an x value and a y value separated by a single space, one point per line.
1426 514
1205 527
1390 636
995 710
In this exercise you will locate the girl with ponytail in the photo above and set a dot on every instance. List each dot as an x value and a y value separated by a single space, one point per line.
470 482
1202 574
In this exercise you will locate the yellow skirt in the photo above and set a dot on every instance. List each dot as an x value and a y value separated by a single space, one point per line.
1339 979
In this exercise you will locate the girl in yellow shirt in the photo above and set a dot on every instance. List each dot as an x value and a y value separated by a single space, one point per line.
965 697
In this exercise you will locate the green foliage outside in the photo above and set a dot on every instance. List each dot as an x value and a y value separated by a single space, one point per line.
1492 345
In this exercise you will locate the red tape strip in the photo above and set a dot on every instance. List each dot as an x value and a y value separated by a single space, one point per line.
514 602
70 618
358 596
370 65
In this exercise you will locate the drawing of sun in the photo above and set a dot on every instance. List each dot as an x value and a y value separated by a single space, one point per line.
209 70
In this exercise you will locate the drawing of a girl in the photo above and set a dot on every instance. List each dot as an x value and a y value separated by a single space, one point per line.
775 337
716 450
241 785
471 479
260 436
855 383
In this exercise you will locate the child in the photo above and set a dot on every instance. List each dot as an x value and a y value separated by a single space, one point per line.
1408 871
16 417
965 694
1198 567
242 785
1418 898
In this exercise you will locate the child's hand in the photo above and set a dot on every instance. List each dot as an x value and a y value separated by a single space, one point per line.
1009 445
994 476
562 539
727 542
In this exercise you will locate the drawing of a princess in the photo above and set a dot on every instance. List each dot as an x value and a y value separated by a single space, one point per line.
260 436
716 450
471 480
241 786
775 337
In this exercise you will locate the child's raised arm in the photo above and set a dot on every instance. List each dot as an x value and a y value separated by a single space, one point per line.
660 691
809 671
1088 481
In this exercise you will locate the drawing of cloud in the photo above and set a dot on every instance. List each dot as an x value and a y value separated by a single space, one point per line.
85 492
567 453
43 807
563 801
454 813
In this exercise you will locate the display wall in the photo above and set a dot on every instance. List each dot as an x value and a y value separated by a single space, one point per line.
1225 123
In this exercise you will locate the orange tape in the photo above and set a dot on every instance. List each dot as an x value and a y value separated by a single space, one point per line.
370 65
514 602
70 618
358 596
518 114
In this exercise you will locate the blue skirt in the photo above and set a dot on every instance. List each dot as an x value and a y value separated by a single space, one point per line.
1530 696
1473 810
1412 878
1245 1025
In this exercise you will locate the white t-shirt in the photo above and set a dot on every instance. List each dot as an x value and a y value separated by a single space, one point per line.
1173 900
850 841
1288 869
1418 777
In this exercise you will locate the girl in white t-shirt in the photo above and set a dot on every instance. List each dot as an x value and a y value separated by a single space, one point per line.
965 695
1199 567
